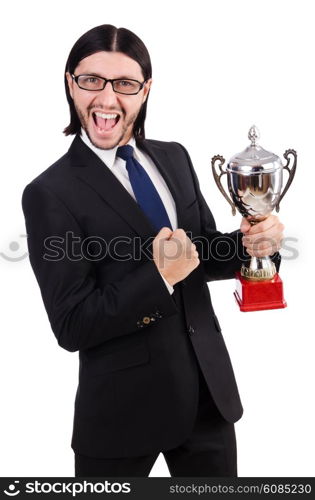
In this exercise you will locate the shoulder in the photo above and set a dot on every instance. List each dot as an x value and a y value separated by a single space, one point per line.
53 171
56 176
49 189
160 144
171 147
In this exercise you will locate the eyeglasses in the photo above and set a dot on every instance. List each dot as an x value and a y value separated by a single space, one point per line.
119 85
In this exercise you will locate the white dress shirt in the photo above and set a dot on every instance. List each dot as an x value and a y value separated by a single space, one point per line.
118 167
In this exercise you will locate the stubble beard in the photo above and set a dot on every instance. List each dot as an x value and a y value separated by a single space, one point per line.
84 124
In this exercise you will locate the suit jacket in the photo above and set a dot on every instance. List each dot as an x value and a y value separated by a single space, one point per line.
139 347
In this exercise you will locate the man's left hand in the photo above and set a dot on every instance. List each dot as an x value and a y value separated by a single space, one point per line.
263 238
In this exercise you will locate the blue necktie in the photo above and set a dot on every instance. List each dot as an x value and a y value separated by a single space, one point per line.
146 195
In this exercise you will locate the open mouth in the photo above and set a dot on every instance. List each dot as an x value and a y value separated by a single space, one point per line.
105 121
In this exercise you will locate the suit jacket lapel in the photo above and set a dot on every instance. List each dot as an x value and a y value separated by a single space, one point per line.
103 181
91 170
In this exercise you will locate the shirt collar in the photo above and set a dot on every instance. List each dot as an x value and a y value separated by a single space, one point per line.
108 156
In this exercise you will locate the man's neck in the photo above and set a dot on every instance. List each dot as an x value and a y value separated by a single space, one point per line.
106 155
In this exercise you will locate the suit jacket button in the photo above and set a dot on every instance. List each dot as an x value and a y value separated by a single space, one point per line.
146 320
191 330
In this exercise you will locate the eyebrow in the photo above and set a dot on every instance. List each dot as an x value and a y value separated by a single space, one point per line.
117 78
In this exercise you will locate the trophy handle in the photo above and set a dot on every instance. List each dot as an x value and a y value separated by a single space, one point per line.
291 173
217 179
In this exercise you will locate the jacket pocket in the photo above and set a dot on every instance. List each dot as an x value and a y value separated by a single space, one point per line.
191 203
119 360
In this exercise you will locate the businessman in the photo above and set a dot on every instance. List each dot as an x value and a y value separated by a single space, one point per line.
122 244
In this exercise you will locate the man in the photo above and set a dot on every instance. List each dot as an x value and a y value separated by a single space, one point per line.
122 244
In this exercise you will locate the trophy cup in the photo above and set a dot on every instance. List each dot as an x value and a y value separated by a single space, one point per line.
255 182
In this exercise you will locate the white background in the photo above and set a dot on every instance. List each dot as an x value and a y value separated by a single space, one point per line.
218 67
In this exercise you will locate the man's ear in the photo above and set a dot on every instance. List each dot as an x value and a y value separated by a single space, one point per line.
146 89
70 83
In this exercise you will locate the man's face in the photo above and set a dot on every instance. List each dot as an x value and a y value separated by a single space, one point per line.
108 133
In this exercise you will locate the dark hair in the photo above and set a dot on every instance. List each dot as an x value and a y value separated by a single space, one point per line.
111 39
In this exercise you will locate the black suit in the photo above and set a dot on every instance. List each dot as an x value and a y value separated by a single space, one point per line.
139 346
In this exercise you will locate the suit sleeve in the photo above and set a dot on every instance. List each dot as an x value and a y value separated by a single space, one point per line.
81 313
222 254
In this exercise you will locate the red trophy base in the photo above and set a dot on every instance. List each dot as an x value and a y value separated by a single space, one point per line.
259 295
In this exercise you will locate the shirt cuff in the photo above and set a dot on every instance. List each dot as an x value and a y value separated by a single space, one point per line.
168 286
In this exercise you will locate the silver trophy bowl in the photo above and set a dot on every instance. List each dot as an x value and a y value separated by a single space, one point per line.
255 179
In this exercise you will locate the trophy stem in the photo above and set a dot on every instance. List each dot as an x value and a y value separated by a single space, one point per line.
259 269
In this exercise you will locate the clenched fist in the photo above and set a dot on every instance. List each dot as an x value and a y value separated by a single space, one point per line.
174 254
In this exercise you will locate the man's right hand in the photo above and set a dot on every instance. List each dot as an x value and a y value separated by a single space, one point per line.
174 254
